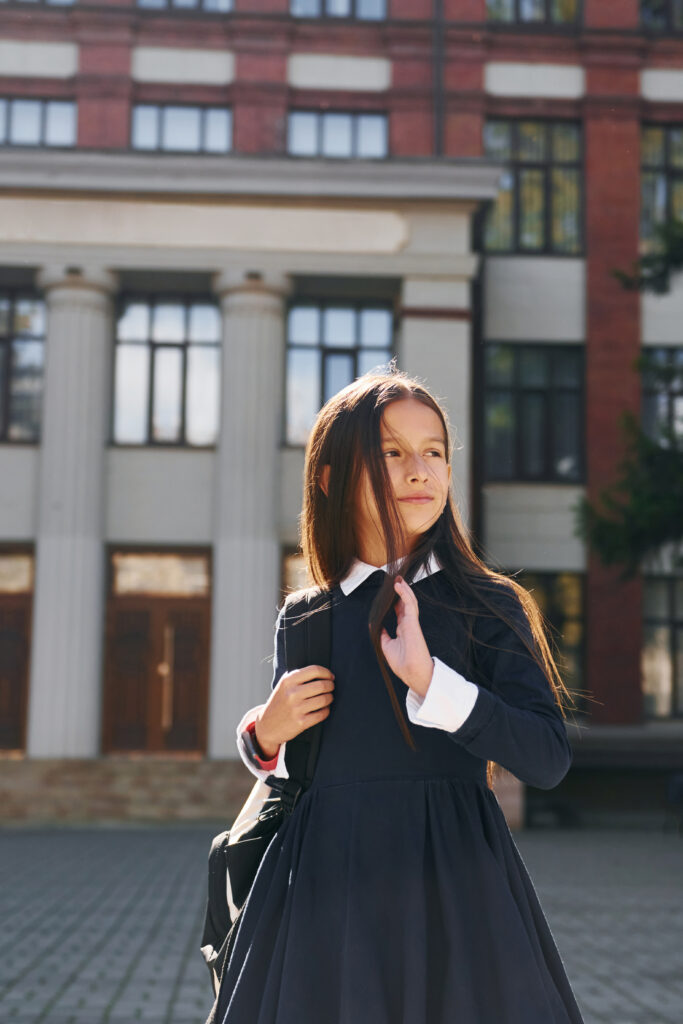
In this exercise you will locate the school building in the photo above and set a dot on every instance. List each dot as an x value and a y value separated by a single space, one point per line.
216 213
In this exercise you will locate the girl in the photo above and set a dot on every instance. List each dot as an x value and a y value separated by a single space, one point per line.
394 893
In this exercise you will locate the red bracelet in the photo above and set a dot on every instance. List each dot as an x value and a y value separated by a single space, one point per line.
269 765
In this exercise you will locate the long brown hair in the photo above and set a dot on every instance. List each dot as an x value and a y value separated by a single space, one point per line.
346 435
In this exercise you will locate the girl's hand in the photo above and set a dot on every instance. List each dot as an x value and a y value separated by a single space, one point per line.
408 655
300 699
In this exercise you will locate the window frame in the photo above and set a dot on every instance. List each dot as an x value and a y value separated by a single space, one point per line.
320 302
44 101
354 115
549 429
667 170
151 299
544 25
169 7
546 166
323 14
16 292
203 109
668 391
653 29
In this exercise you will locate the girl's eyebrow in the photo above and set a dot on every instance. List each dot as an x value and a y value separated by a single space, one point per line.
391 440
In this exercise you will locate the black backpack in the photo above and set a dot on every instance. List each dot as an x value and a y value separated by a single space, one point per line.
234 861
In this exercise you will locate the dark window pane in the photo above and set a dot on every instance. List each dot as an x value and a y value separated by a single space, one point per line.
532 427
339 327
203 390
26 387
168 383
677 15
531 10
3 120
655 598
497 140
653 13
533 368
304 325
371 359
4 370
677 198
654 414
652 146
499 443
303 392
500 364
531 202
566 368
565 142
564 12
500 10
531 141
499 220
5 307
653 203
338 373
565 210
567 433
131 387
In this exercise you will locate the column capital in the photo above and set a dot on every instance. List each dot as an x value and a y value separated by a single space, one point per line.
254 282
83 276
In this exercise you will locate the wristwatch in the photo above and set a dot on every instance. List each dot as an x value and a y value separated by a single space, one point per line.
253 749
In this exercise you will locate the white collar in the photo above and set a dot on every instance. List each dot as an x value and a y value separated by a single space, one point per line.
360 571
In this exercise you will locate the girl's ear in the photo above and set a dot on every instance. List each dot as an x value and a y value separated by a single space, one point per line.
324 478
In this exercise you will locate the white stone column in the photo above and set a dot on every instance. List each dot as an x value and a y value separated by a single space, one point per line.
246 563
436 345
66 668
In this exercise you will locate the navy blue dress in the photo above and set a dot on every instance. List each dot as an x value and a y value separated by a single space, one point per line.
394 893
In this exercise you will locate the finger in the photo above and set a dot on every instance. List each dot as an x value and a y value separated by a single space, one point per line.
316 686
313 672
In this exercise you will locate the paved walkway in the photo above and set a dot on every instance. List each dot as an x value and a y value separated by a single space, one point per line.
102 925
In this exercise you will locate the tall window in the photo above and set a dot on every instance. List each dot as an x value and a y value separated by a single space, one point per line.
534 12
662 656
181 128
22 343
560 596
662 407
533 412
331 133
328 346
661 179
662 15
29 122
374 10
167 372
539 205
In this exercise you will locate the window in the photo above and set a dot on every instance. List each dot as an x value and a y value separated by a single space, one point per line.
29 122
662 15
374 10
205 5
167 372
181 129
22 344
533 412
328 346
560 596
534 12
336 134
539 205
662 655
662 407
661 180
51 2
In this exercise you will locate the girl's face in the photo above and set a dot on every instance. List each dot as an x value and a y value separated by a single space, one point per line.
414 447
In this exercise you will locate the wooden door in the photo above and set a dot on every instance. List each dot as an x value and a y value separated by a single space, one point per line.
15 646
156 674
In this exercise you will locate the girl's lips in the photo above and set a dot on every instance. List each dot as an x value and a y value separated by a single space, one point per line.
416 501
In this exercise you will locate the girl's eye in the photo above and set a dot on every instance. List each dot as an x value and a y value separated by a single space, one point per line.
394 451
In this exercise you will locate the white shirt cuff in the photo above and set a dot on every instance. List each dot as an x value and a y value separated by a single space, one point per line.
449 700
280 769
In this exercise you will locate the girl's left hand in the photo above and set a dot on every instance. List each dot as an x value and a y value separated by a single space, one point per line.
407 654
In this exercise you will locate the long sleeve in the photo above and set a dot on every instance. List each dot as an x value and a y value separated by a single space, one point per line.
517 722
448 701
279 668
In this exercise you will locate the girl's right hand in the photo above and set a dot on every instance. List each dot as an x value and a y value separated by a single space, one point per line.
301 698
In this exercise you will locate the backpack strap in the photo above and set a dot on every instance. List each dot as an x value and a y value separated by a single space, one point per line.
307 624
